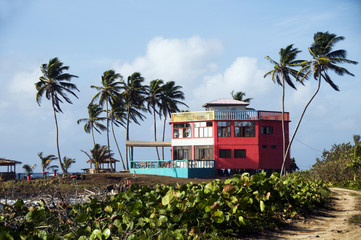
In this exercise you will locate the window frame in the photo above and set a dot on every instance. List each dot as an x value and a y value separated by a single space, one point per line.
244 129
225 153
240 153
224 131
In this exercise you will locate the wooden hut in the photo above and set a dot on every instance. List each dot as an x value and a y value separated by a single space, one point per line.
104 166
10 173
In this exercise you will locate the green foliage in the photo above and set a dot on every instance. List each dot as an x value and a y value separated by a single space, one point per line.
212 210
341 165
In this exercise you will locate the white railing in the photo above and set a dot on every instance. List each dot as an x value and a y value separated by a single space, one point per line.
172 164
236 115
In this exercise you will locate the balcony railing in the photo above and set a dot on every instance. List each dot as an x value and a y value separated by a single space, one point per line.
228 115
172 164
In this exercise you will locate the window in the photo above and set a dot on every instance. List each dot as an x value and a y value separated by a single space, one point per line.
239 153
203 152
264 146
267 130
225 153
203 129
182 130
180 153
244 129
224 129
273 146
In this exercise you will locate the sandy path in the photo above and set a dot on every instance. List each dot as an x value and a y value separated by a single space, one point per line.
329 224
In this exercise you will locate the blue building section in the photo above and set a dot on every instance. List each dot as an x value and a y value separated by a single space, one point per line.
176 168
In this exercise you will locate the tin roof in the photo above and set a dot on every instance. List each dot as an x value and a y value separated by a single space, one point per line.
225 102
7 162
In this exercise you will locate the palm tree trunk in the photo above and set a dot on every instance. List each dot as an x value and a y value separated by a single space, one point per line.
93 135
57 138
155 132
110 158
126 139
165 120
116 143
303 113
283 126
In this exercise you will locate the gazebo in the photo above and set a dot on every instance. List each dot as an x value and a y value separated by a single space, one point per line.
11 169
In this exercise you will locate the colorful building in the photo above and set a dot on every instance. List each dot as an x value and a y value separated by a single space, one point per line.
232 135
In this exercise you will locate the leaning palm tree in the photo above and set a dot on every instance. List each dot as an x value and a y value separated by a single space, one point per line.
282 73
325 59
68 162
46 160
170 100
109 91
153 101
93 121
55 84
133 95
117 116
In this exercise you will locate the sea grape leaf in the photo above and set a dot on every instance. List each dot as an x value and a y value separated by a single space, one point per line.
96 234
262 206
81 218
106 233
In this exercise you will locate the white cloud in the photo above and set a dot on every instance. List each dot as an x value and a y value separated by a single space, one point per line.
244 75
180 60
22 91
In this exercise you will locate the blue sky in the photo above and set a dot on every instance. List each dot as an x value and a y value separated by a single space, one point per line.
208 47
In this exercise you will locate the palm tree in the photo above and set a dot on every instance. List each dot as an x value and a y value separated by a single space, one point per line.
133 95
107 93
170 100
93 121
324 59
282 73
99 154
239 96
45 161
68 162
29 169
117 117
55 84
153 101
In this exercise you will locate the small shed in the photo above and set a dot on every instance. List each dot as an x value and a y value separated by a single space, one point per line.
10 172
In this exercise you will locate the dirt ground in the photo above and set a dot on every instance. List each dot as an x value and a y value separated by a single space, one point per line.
330 224
325 224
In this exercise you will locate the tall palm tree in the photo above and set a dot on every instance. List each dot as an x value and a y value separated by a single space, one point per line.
93 121
117 117
170 100
55 84
324 59
282 73
68 162
109 91
46 160
153 101
133 95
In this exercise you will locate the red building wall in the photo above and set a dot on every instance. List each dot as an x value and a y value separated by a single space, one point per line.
263 151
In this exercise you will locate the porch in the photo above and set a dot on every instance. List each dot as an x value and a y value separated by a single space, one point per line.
175 168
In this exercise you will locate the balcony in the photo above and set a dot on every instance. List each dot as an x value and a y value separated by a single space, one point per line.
228 115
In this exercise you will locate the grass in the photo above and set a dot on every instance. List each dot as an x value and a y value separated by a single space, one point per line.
355 219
